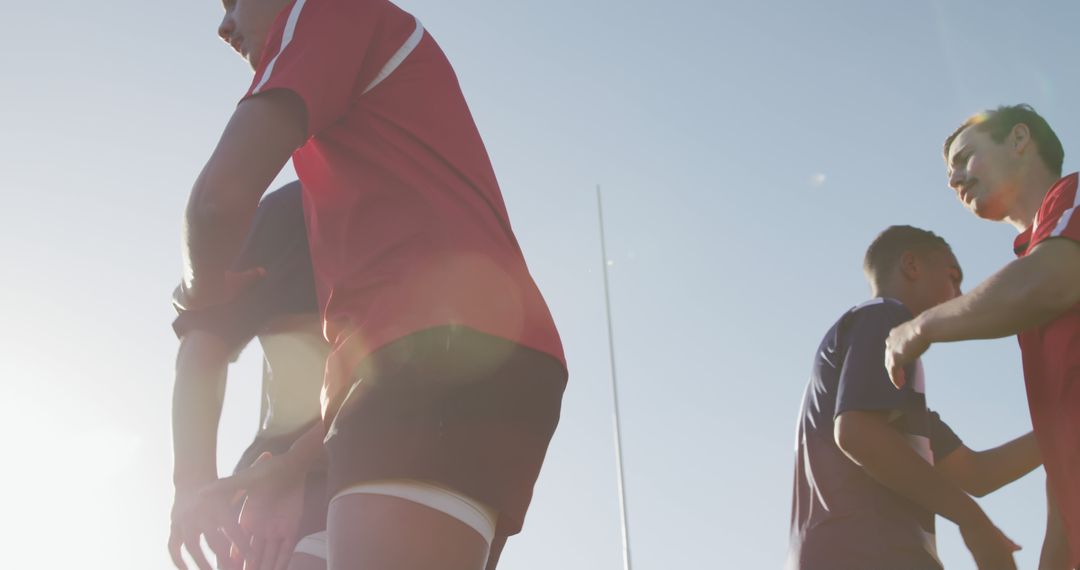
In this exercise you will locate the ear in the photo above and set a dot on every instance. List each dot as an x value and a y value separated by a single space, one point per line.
1020 137
909 265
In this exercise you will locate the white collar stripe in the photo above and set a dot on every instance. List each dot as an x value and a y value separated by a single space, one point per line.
286 37
399 56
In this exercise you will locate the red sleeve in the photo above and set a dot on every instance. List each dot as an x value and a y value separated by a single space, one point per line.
317 49
1058 216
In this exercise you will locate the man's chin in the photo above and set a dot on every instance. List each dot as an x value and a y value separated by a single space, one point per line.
252 60
986 211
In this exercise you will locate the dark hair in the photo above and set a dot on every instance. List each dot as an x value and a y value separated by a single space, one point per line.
1000 122
884 252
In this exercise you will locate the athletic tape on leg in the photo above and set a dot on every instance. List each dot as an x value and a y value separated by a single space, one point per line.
465 509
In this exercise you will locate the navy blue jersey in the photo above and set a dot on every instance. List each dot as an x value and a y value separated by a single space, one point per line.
841 517
278 243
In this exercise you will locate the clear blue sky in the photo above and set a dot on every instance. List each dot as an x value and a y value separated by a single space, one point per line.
748 154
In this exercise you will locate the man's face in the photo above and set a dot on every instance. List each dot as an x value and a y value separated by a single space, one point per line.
939 277
983 173
246 24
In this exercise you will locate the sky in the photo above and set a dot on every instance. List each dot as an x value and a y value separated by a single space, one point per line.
748 153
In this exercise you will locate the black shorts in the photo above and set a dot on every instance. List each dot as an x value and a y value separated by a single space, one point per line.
469 411
316 501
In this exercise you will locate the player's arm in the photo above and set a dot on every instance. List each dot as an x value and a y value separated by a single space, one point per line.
982 472
877 447
1055 548
258 140
274 489
867 439
1025 293
198 391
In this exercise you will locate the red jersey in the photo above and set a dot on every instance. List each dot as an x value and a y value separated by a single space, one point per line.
406 222
1051 356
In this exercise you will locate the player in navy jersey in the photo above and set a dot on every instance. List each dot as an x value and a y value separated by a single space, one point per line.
279 308
874 464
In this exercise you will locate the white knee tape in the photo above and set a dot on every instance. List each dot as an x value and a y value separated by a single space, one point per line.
465 509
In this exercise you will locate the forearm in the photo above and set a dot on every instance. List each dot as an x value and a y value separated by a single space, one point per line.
212 234
1026 293
308 451
1006 463
887 457
256 143
198 393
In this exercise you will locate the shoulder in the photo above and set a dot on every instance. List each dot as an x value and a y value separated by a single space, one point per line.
884 312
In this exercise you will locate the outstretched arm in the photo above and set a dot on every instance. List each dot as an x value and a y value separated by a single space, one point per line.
982 472
868 439
1025 293
261 135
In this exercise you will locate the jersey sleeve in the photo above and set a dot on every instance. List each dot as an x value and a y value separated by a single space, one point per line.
317 49
1058 215
278 243
864 383
943 440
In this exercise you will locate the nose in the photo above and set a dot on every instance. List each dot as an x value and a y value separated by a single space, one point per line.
226 28
956 177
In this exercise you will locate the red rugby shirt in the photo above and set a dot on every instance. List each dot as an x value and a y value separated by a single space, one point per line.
406 222
1051 356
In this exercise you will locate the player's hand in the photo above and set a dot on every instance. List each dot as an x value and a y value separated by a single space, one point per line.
990 547
196 514
271 514
904 345
203 294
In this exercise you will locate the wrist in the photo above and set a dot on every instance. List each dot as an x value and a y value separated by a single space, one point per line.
186 485
191 479
199 289
971 516
926 327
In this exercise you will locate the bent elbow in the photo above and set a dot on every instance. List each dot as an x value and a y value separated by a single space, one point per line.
847 436
205 210
216 200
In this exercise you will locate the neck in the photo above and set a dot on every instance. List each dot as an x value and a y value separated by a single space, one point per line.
1029 198
900 293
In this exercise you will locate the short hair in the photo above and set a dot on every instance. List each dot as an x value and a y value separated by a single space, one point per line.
1000 122
884 252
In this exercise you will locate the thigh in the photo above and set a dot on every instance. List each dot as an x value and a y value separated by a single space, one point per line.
378 531
485 436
